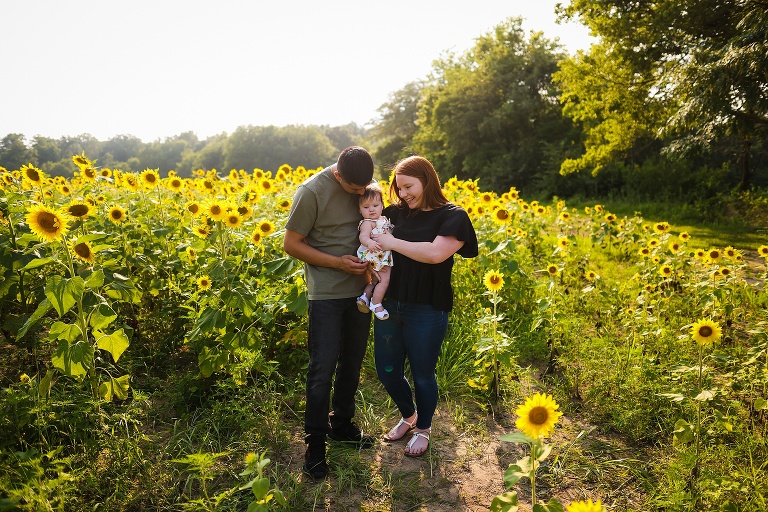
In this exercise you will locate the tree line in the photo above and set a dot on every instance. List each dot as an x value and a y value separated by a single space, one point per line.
672 99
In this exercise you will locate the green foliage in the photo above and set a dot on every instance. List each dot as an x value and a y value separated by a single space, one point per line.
490 113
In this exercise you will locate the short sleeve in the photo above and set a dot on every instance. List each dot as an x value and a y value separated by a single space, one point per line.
303 212
457 224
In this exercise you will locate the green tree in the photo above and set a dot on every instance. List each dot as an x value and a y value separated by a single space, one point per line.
392 134
493 113
703 60
46 150
14 152
269 147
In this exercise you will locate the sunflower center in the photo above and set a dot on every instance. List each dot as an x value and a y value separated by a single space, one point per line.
495 279
705 331
538 415
78 210
48 222
83 250
116 214
33 175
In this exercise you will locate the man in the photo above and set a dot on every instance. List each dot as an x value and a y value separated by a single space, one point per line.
322 232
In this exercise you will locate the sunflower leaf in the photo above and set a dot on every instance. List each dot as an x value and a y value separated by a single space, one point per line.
73 360
37 262
114 343
44 306
506 502
516 437
115 388
552 506
64 293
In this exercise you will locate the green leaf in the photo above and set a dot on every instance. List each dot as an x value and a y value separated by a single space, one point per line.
761 404
64 293
675 397
296 301
114 343
73 360
506 502
683 432
260 488
64 331
102 316
280 266
540 450
46 383
255 506
37 262
517 437
513 474
552 506
42 309
95 280
115 388
705 395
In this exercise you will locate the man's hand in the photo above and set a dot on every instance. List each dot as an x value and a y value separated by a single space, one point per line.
353 265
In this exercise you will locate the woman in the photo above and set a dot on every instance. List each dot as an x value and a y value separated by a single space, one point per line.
428 231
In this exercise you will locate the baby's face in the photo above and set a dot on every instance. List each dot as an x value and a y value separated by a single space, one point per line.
371 208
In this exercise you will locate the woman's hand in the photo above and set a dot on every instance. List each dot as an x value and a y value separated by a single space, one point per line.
384 240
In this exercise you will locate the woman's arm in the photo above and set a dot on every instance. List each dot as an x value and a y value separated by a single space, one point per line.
436 251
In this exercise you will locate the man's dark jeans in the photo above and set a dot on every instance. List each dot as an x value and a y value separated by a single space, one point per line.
336 339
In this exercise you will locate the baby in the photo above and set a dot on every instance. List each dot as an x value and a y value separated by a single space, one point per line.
371 206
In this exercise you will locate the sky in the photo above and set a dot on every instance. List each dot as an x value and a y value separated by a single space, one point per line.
157 68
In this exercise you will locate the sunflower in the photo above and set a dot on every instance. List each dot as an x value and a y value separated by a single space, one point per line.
79 209
81 161
83 251
204 282
494 280
244 211
201 230
674 247
175 184
233 219
193 207
256 237
32 175
116 214
215 210
662 227
705 331
730 253
105 172
266 185
725 271
700 254
666 270
64 189
266 228
46 223
552 269
591 275
540 210
763 251
284 204
562 242
131 182
714 255
150 178
684 236
565 215
585 506
191 254
501 216
599 208
486 198
588 210
538 415
89 173
653 242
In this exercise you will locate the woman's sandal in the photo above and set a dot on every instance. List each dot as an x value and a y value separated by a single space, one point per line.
390 436
381 315
416 435
362 303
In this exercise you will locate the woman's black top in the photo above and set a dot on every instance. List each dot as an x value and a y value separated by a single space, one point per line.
426 283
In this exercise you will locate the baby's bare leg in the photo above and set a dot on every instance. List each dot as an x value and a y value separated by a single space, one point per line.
381 286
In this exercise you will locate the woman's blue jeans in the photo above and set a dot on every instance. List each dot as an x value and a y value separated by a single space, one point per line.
336 339
415 332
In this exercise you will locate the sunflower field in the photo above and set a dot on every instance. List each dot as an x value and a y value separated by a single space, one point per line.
153 331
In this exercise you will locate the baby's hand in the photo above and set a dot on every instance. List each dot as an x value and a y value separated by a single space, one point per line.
374 246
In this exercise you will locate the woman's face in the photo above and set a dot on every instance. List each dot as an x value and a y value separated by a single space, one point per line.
410 190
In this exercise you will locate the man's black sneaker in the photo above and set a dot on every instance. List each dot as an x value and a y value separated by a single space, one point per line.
314 458
349 433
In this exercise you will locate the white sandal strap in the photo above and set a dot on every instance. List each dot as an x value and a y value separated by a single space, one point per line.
416 435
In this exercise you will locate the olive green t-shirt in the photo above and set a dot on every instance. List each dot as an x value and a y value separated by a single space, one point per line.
327 215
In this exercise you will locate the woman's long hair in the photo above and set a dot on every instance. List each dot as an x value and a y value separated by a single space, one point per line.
420 168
